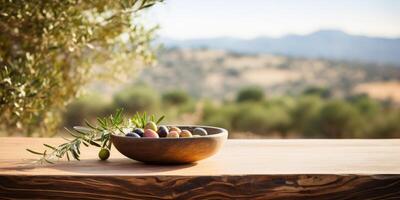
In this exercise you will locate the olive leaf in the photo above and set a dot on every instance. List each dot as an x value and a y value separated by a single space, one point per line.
97 135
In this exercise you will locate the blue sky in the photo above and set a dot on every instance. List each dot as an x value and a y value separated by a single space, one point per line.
186 19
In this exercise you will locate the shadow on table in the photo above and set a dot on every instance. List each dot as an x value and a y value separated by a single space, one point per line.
118 166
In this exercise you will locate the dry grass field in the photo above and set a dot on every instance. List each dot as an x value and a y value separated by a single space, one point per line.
381 90
220 74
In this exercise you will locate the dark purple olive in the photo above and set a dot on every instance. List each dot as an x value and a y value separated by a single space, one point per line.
132 134
162 131
138 131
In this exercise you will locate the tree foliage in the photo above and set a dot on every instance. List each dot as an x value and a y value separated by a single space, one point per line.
307 116
337 119
250 94
176 97
50 49
137 99
300 116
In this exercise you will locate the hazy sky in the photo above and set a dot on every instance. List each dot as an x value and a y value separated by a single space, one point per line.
184 19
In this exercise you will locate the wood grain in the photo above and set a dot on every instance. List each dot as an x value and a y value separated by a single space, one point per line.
243 169
320 187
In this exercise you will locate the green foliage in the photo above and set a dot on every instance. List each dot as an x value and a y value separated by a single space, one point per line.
367 106
175 97
140 120
85 107
250 94
306 110
308 116
252 118
133 99
137 99
386 126
50 49
219 116
337 119
318 91
304 116
260 119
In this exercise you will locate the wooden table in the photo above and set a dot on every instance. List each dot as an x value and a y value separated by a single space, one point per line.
255 169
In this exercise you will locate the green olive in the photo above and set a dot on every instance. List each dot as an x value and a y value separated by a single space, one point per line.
151 125
104 154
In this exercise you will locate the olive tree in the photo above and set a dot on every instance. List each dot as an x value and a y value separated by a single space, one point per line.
50 49
250 94
336 119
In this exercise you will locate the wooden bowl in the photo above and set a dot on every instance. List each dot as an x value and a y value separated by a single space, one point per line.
172 150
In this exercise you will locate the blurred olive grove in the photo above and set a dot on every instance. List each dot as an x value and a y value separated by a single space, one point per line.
50 50
312 114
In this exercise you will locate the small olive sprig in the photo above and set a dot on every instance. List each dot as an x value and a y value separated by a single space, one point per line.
94 135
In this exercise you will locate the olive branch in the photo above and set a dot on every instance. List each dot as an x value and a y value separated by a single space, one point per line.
97 135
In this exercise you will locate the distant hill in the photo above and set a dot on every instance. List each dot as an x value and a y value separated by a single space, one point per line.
329 44
220 74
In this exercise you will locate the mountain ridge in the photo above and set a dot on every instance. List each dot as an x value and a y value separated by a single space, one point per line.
329 44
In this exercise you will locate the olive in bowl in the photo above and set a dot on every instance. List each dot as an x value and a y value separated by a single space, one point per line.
172 150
